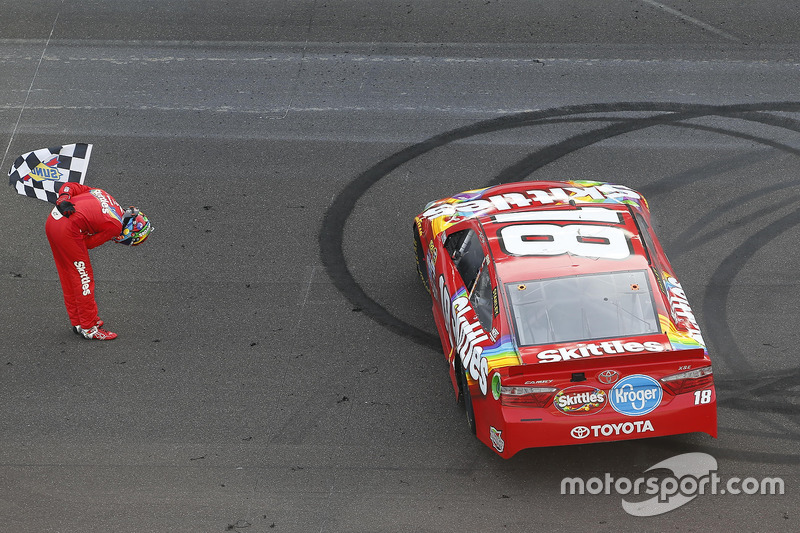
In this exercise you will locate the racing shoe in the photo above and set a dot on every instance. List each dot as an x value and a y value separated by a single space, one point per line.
98 334
79 331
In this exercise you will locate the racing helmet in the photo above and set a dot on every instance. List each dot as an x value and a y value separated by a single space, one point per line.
135 227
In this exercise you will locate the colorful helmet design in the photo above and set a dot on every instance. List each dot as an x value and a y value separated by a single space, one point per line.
135 227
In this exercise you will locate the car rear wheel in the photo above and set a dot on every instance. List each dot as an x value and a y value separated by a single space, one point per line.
465 396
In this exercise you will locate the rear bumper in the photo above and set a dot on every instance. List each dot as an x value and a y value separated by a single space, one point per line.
507 430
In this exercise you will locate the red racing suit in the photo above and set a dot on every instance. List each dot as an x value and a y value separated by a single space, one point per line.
97 219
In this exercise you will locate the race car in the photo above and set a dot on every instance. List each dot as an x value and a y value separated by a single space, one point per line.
561 318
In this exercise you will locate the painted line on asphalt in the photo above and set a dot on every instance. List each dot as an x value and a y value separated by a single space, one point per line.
30 89
692 20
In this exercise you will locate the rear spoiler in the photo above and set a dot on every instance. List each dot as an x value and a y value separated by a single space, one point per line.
604 362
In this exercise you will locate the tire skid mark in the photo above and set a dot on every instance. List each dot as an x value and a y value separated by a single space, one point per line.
717 293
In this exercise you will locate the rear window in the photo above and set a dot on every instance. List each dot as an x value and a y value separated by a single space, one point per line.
575 308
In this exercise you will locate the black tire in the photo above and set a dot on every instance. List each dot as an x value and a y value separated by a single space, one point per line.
465 396
422 266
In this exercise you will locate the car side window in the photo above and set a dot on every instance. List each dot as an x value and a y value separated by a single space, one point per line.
467 254
481 298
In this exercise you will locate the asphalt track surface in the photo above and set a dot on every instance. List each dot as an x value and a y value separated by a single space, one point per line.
277 367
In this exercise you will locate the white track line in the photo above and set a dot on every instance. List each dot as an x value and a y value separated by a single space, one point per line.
30 88
693 20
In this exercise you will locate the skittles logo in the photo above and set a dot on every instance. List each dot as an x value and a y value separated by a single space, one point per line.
580 400
45 171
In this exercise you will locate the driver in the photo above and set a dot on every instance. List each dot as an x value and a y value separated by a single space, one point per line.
84 218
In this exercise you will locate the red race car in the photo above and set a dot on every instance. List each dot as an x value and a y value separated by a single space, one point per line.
561 317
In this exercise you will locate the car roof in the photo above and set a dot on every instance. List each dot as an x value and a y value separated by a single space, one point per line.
581 210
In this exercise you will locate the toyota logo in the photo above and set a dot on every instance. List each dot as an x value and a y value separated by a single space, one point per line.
579 432
608 376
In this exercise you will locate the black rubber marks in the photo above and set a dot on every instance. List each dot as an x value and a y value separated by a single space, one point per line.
619 119
332 232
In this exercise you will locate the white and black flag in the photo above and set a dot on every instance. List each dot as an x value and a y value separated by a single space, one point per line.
41 173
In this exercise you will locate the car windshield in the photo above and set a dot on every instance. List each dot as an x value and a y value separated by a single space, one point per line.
574 308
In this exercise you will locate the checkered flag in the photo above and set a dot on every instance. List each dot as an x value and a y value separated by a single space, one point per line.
41 173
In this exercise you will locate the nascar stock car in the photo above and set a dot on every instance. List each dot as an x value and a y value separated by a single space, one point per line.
561 317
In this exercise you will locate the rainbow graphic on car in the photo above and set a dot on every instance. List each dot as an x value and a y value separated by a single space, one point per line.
450 211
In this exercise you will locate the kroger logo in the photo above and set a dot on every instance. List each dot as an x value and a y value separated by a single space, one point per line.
635 395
